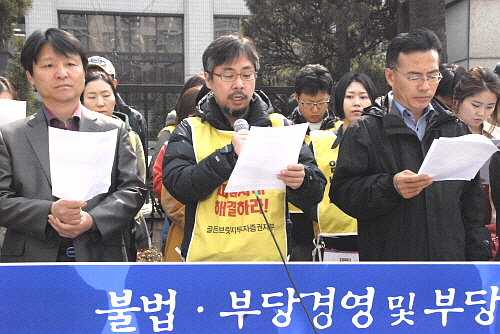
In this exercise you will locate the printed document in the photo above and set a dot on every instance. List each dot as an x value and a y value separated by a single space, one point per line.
81 162
457 158
267 150
11 110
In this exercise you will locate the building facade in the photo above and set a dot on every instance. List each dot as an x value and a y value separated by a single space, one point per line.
155 46
473 32
154 42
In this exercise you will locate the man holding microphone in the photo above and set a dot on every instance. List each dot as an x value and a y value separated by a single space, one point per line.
203 151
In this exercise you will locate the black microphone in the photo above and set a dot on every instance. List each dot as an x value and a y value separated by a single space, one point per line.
241 124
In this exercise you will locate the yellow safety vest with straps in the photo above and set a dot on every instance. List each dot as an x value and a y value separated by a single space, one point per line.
307 139
230 226
331 220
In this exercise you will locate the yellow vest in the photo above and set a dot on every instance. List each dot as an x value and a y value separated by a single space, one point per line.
331 220
229 226
307 139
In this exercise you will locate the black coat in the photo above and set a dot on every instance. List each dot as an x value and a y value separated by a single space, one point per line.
495 189
190 182
442 223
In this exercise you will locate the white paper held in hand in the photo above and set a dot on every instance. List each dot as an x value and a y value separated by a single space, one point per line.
81 162
457 158
267 150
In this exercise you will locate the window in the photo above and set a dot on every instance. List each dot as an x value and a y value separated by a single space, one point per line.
143 49
225 26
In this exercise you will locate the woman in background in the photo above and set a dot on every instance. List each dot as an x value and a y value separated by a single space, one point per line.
186 106
354 92
475 101
7 90
336 230
99 95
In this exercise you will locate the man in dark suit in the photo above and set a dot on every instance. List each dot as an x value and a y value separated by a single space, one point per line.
41 227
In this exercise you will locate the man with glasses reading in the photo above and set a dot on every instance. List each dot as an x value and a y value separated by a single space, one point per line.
203 150
313 86
403 216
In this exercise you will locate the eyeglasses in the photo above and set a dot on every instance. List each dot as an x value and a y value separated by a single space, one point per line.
310 105
231 75
420 80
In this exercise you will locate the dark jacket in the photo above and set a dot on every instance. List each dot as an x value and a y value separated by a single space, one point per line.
495 189
327 123
26 194
190 182
136 121
442 223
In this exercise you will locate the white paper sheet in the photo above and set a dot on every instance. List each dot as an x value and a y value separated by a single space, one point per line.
457 158
81 162
11 110
266 152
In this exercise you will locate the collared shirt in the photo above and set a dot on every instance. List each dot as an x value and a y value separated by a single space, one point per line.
73 123
418 126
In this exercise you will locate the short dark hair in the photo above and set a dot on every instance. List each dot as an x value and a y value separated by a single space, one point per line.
496 69
62 41
475 81
452 73
6 85
312 79
418 40
342 85
226 49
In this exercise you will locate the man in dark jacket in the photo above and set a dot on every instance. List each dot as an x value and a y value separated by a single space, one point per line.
203 151
403 216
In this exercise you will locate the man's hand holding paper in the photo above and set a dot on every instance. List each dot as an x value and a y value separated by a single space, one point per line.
293 176
267 151
409 184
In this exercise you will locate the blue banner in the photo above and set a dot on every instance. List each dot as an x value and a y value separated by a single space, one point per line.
249 298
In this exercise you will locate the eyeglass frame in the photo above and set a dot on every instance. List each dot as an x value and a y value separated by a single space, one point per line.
236 75
310 105
415 81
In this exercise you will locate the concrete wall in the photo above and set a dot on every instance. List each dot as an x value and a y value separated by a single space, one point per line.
484 36
473 32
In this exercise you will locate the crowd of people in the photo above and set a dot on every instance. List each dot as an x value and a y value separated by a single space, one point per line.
354 191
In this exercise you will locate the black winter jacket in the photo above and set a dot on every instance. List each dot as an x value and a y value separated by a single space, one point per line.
442 223
191 182
495 189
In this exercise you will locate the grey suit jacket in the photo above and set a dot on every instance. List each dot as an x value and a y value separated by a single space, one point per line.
26 194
